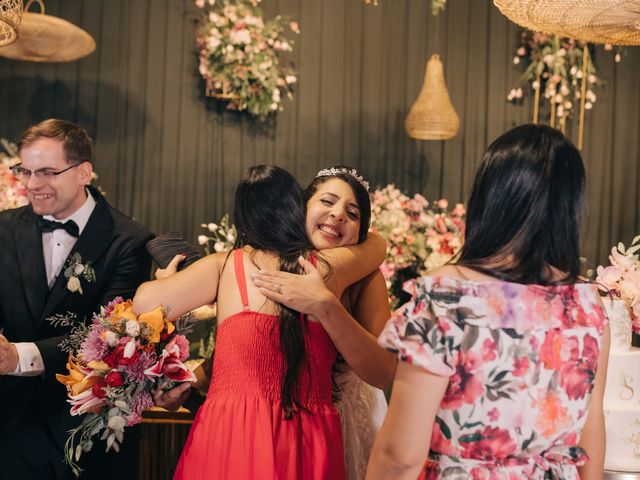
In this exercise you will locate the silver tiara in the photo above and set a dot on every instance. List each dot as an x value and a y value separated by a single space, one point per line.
330 172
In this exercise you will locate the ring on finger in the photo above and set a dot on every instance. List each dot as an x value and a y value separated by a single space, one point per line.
278 288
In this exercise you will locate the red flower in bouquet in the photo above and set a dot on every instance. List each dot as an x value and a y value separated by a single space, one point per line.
114 364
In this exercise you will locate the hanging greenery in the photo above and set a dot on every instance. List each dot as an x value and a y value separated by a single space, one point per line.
242 56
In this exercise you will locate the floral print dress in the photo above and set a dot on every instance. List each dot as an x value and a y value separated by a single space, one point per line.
521 361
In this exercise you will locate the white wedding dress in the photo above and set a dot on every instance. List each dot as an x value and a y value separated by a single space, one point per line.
362 409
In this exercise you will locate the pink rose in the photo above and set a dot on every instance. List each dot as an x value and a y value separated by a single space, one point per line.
608 276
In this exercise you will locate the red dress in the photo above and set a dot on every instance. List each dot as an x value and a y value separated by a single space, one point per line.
240 431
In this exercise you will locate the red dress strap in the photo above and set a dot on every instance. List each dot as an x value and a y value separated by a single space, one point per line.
238 263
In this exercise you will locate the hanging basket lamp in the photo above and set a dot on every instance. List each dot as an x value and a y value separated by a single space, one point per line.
10 16
615 22
432 116
45 38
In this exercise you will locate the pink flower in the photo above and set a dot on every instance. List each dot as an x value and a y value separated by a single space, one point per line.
442 203
488 350
494 443
608 277
494 414
520 366
86 402
170 365
467 384
180 343
440 443
619 260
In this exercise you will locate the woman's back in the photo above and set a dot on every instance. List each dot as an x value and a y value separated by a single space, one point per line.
521 362
241 430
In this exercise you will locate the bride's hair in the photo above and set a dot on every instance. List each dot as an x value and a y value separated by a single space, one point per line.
525 207
270 215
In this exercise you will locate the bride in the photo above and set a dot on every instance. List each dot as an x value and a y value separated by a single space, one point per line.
338 214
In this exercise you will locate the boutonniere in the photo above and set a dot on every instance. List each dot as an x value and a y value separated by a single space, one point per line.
74 269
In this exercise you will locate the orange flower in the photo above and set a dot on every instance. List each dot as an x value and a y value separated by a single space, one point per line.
155 320
553 416
122 310
77 381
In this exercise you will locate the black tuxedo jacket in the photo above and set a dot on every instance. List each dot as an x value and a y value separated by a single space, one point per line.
34 414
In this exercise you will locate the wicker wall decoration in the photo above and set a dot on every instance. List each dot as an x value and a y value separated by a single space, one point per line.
432 116
616 22
10 16
45 38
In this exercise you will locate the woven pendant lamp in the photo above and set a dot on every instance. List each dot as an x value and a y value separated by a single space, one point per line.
10 16
432 116
595 21
45 38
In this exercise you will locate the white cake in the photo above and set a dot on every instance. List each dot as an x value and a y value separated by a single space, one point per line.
622 393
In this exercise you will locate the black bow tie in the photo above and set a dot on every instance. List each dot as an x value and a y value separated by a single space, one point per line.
70 226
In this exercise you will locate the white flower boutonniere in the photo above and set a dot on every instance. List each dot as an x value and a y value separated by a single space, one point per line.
74 269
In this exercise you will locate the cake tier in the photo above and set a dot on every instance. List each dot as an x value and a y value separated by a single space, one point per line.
622 425
623 377
620 324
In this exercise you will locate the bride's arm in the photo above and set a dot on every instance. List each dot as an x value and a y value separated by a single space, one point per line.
350 264
184 291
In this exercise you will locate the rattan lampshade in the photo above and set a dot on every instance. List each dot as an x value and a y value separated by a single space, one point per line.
10 15
594 21
432 116
45 38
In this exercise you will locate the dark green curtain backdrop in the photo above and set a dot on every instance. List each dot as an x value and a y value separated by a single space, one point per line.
171 158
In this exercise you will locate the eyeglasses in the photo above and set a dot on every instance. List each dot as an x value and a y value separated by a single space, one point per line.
44 174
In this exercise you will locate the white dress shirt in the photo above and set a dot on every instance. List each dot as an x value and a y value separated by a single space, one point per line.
56 246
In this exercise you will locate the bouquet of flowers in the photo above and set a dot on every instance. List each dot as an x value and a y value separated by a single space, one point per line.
241 56
114 364
12 192
420 236
622 278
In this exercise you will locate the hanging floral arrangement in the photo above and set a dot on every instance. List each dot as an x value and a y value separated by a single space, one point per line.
242 56
437 6
554 69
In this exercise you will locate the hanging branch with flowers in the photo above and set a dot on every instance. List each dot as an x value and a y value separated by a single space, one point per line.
555 69
420 236
242 56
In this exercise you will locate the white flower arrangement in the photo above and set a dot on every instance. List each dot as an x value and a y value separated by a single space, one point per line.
74 269
220 237
241 56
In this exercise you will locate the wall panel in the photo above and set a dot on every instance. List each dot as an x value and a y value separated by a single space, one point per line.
171 158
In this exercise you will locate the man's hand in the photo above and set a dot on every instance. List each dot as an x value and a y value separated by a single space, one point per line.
171 269
172 399
8 356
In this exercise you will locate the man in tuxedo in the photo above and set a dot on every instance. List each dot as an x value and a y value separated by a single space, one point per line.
66 218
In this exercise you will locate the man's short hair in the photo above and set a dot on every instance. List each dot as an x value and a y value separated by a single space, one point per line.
76 142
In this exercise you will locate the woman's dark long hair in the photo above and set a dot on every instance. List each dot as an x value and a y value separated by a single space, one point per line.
270 215
525 208
361 194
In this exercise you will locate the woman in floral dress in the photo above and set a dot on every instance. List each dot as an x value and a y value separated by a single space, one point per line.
503 355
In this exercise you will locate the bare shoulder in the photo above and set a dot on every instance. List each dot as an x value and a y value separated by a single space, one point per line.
446 271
